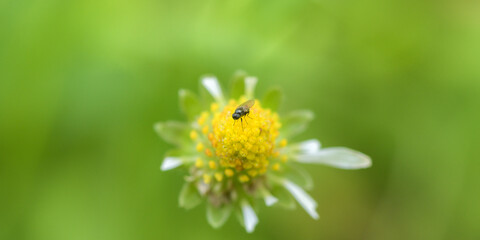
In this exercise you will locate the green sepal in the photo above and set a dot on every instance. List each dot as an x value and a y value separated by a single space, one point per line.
237 85
179 152
273 99
239 216
298 176
173 132
189 196
189 103
217 216
285 199
295 122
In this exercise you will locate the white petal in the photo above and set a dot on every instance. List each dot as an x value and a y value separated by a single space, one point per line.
268 197
213 87
170 163
302 198
249 217
270 200
309 146
339 157
250 83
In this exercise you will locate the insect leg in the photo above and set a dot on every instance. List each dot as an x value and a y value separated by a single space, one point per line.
241 122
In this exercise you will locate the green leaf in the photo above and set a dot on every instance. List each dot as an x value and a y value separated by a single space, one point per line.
285 199
189 196
173 132
295 122
298 176
189 103
217 216
272 99
238 84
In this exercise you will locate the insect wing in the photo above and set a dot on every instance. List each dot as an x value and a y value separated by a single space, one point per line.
247 105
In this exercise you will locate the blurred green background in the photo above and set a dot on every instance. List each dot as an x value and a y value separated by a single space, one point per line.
83 82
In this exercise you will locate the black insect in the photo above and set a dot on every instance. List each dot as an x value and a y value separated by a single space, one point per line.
243 110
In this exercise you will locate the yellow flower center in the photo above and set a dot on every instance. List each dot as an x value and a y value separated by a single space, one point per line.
247 143
236 148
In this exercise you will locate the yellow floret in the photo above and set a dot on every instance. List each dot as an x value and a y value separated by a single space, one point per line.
208 152
243 178
247 165
228 172
214 107
276 166
199 163
253 173
212 164
218 176
193 135
203 118
207 178
199 147
205 130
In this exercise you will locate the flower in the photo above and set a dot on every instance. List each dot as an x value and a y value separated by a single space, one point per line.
232 164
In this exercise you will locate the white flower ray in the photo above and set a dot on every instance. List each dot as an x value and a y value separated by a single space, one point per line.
305 200
249 217
170 163
309 146
339 157
250 83
213 87
270 200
